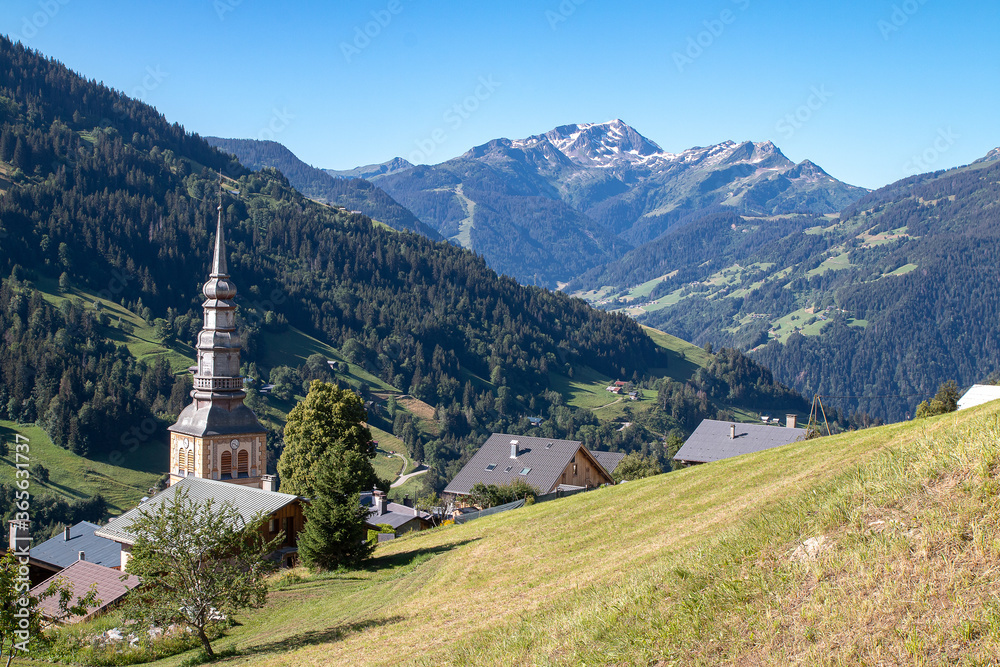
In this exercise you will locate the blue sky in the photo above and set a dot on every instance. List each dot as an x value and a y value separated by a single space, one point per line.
870 90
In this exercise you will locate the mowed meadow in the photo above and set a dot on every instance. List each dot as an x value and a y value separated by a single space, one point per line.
872 547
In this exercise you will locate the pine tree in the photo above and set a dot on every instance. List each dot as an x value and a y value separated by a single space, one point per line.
334 533
22 156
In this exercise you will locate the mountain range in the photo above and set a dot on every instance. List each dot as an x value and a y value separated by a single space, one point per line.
547 208
875 306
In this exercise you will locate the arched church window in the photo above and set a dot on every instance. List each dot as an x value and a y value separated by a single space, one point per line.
243 463
227 465
181 459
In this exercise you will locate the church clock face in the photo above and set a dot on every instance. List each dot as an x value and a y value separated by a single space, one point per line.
235 444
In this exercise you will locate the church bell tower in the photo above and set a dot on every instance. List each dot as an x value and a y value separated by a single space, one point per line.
216 436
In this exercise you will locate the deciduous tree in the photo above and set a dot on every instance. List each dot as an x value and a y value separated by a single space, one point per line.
200 562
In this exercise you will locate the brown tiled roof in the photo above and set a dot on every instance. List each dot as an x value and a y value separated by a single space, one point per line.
80 576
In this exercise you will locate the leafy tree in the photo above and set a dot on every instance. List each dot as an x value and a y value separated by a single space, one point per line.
20 620
945 400
327 429
636 466
199 564
429 503
285 380
490 495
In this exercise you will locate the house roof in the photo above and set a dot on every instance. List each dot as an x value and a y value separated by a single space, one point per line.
979 394
60 552
398 515
711 441
79 577
544 459
609 460
247 500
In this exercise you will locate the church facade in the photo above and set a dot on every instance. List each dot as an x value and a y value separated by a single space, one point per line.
216 436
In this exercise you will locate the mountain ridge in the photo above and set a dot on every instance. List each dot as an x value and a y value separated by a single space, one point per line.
581 195
352 193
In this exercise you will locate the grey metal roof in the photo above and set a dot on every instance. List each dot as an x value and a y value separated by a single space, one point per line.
609 460
397 515
60 552
247 500
711 441
544 458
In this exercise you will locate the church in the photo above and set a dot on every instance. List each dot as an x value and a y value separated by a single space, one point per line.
216 436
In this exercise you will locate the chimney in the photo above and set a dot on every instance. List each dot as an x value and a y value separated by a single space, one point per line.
267 482
83 556
19 532
407 501
791 421
66 534
379 503
732 431
513 449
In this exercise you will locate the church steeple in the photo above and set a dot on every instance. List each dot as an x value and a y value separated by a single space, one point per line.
219 267
217 436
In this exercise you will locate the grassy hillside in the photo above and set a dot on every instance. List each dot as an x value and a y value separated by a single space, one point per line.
873 547
73 477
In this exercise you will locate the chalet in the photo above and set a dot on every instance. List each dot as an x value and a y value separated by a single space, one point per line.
979 394
110 585
714 440
402 517
544 463
74 543
283 512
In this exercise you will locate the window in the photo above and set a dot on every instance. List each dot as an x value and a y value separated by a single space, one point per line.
492 466
274 526
227 465
243 463
509 468
548 446
181 460
525 471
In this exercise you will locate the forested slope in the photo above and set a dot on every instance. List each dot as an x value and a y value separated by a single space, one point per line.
355 194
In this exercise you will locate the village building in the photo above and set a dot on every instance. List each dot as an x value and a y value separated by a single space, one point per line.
283 511
714 440
403 517
72 544
979 394
109 584
546 464
216 436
